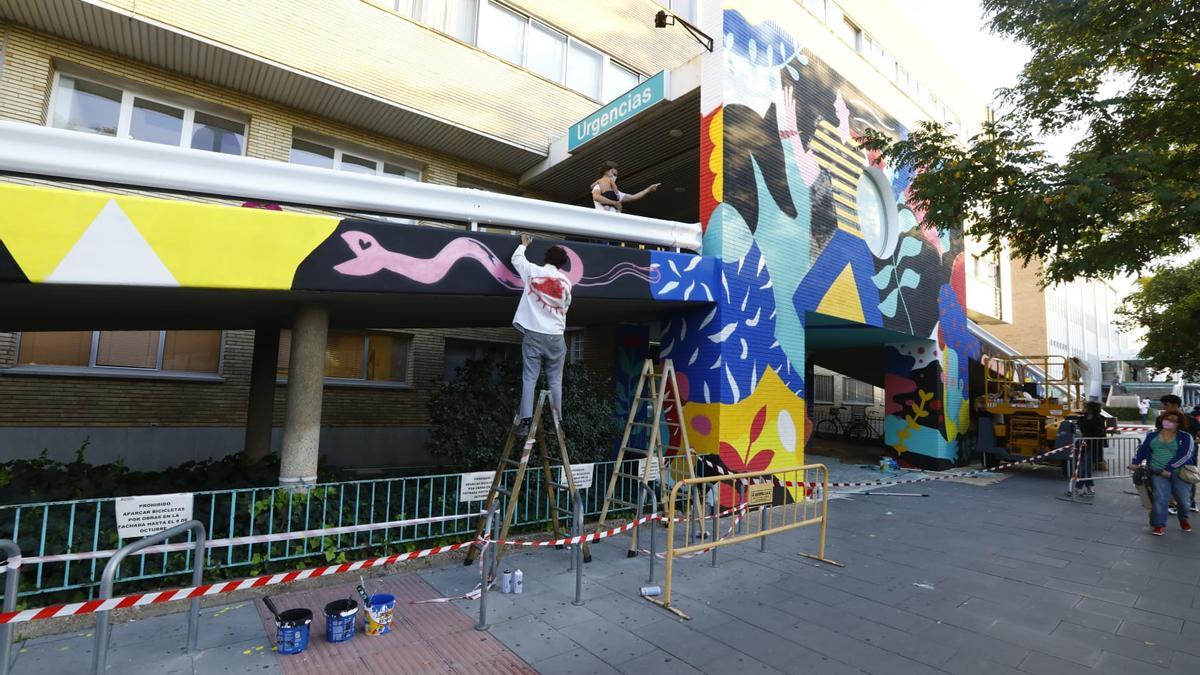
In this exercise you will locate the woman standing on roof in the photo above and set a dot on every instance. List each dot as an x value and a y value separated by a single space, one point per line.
606 196
1166 452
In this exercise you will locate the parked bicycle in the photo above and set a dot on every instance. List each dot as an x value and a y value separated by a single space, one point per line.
861 429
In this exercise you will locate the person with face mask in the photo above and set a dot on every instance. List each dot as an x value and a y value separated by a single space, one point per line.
1165 452
1172 403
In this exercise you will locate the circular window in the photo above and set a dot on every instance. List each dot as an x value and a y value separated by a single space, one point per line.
878 218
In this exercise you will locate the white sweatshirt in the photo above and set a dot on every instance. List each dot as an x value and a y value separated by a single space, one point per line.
544 302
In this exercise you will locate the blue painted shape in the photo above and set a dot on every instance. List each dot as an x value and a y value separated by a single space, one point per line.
681 276
843 248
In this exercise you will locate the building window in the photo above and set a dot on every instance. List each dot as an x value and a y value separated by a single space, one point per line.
457 353
584 70
685 9
358 357
546 52
178 351
452 17
618 80
822 389
576 345
502 32
850 33
326 156
854 391
84 105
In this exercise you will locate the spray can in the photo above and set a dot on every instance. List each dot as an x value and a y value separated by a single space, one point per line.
518 580
506 582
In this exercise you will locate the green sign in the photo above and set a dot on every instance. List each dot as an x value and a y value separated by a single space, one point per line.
623 108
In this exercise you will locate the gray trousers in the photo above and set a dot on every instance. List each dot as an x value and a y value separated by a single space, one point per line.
536 348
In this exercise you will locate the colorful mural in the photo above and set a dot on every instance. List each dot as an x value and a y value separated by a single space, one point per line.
78 237
804 222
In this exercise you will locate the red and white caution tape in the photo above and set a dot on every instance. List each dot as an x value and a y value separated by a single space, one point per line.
155 597
251 539
584 538
922 479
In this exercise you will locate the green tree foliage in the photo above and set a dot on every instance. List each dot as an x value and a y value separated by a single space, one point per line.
469 417
1129 191
1166 304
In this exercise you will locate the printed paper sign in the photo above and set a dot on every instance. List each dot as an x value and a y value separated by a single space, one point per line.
760 494
655 469
473 487
582 473
139 517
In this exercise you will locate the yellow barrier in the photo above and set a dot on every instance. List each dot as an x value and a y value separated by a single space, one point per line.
763 503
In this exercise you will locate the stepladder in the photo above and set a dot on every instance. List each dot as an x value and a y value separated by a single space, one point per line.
510 479
654 431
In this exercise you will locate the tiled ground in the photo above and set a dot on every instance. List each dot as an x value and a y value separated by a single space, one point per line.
994 579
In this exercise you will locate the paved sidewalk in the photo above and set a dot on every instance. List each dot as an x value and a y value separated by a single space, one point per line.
995 579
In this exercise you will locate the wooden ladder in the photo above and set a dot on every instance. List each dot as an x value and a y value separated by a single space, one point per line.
650 396
550 483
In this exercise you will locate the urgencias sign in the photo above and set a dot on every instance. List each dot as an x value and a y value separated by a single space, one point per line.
645 95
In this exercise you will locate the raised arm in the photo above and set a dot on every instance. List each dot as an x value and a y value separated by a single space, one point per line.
519 261
638 195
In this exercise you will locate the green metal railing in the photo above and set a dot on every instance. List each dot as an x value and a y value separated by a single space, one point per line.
88 525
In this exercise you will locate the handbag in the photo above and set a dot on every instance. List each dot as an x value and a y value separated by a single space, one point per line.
1190 473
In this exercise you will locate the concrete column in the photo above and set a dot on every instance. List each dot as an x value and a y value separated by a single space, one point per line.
306 378
261 406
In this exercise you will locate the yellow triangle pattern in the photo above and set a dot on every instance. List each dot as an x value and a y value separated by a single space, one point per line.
841 300
228 247
40 225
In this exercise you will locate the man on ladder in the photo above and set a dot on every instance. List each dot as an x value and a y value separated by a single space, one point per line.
542 318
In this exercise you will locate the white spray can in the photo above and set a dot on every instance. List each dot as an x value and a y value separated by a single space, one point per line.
506 582
518 580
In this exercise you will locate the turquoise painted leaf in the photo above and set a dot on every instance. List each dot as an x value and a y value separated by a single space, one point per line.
888 306
910 279
910 246
884 277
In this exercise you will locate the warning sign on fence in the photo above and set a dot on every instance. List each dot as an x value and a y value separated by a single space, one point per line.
582 473
655 469
150 514
473 487
760 494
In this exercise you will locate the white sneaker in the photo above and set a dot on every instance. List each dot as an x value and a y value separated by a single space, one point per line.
1172 510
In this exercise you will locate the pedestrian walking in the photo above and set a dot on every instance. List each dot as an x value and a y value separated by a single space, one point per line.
1091 427
1165 452
1172 403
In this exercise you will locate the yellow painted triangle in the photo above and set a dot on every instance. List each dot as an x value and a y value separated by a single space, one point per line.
209 246
40 225
841 300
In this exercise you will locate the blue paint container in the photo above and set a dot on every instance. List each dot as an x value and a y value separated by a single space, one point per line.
379 615
291 630
340 618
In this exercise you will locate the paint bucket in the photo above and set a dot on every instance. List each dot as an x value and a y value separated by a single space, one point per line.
339 620
651 591
379 616
291 630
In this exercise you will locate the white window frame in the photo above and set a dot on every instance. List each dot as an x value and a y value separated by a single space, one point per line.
817 400
92 369
130 91
851 383
576 346
340 148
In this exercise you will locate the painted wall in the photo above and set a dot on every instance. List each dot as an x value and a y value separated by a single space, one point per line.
90 238
781 176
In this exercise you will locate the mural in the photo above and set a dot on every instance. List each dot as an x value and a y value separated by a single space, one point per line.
804 222
68 236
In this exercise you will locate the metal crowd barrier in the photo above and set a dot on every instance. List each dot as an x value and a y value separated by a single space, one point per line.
1099 459
12 578
756 505
100 659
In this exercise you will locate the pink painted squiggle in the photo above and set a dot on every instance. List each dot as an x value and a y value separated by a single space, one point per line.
370 257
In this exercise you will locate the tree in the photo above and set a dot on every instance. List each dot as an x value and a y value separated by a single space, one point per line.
1166 304
1128 193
